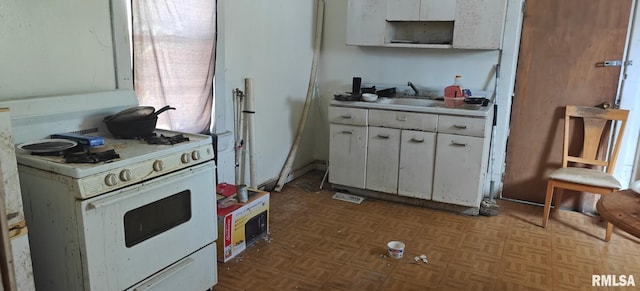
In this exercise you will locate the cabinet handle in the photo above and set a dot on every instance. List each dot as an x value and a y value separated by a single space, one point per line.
383 136
346 116
347 131
460 126
401 118
457 144
417 139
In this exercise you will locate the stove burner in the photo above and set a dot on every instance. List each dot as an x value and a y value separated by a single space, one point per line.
92 158
162 139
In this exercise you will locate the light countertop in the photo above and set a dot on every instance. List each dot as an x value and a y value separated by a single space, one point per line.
434 106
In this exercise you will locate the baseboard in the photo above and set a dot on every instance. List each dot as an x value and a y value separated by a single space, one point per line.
297 173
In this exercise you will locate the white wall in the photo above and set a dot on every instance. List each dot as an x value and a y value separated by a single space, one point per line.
49 48
270 42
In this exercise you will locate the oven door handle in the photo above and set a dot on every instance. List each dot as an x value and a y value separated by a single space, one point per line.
106 201
166 274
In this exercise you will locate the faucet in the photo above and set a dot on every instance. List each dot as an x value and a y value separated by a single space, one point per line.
414 88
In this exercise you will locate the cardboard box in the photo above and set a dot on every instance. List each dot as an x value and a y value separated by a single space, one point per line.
241 224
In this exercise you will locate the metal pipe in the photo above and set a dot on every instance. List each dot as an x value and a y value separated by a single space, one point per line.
238 100
249 112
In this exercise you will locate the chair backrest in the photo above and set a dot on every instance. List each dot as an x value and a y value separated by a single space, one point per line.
596 124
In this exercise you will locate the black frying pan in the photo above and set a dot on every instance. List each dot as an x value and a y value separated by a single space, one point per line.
135 113
134 123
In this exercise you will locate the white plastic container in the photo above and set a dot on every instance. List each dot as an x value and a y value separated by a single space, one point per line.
396 249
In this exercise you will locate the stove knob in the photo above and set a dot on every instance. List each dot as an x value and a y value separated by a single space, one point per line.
195 155
158 166
125 175
111 180
185 158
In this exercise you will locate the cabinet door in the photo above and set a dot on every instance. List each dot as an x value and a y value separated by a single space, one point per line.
382 159
421 10
347 155
458 170
403 10
417 155
479 24
366 22
437 10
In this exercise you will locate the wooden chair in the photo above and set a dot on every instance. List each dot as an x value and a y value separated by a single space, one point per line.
592 170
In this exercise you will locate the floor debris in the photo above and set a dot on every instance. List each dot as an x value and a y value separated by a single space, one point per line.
489 208
348 197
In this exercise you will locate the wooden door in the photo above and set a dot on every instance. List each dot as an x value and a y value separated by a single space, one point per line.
562 44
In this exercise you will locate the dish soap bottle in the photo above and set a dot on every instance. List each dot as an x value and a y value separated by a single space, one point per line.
456 90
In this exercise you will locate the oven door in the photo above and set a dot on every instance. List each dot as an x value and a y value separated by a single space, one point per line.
137 231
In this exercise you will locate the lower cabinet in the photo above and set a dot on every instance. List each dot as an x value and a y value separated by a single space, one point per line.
427 156
400 161
347 154
383 159
417 155
458 169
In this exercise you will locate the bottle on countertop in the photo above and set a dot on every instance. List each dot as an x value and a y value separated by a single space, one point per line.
456 90
355 86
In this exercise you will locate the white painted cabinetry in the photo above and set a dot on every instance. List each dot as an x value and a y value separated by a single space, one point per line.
383 157
479 24
462 148
438 156
347 146
420 10
415 174
365 22
457 169
401 152
465 24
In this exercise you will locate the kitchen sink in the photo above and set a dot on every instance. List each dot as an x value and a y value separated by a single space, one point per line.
411 102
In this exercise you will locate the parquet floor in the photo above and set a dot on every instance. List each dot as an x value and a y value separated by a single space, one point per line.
319 243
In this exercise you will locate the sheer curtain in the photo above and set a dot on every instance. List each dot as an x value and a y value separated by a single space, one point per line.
173 60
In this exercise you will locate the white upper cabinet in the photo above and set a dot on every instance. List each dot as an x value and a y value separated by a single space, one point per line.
479 24
464 24
365 22
437 10
421 10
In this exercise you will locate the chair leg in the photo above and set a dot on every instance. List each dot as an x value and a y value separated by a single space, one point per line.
558 199
547 203
607 236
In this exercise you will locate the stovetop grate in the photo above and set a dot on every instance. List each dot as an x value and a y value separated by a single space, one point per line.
162 139
88 157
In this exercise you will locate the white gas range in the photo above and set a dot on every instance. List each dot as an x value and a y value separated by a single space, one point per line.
143 221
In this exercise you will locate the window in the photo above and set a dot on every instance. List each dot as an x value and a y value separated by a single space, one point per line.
173 48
